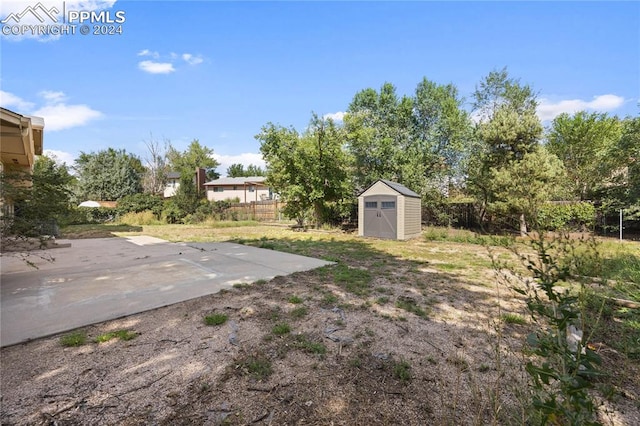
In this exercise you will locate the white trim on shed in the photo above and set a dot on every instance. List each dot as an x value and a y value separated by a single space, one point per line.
389 210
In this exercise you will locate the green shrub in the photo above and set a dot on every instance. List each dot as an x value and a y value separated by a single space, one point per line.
562 373
171 212
566 217
137 203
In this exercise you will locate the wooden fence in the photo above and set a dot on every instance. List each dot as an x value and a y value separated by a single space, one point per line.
268 210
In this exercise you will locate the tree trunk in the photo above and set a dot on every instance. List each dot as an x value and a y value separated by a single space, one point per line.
523 226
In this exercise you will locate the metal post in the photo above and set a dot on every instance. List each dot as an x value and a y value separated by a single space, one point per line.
620 224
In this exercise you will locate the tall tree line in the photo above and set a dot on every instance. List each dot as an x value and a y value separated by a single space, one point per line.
497 153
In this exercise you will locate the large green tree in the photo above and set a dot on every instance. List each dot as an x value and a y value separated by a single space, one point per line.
587 143
418 141
508 129
308 170
522 186
378 129
238 170
442 135
108 175
195 156
39 197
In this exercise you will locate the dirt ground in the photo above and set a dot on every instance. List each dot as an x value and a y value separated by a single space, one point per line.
381 341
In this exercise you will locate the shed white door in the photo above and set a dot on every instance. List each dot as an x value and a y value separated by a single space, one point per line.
381 216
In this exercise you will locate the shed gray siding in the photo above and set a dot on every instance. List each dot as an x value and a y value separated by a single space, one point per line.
408 213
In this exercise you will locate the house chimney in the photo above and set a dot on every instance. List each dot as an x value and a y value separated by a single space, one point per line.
201 178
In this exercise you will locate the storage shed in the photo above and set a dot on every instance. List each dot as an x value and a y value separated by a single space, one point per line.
389 210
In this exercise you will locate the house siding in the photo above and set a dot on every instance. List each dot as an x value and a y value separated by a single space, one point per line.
229 193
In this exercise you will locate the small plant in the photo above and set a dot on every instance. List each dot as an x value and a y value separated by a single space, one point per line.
511 318
119 334
295 300
565 364
410 305
299 312
402 371
215 319
281 329
303 342
77 338
257 366
329 299
382 300
241 286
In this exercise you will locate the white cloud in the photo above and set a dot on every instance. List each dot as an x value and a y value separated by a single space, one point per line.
49 13
168 64
191 59
548 110
62 116
61 157
245 159
147 52
156 67
14 103
52 97
336 116
56 113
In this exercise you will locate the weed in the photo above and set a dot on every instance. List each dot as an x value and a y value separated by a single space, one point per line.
299 312
402 371
303 342
295 300
260 282
215 319
119 334
511 318
281 329
329 299
560 377
411 305
459 362
241 286
77 338
382 300
274 314
258 366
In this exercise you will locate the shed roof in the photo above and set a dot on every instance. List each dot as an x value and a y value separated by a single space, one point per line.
399 188
237 181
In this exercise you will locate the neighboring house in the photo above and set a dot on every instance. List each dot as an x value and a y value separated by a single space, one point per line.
173 182
246 189
21 140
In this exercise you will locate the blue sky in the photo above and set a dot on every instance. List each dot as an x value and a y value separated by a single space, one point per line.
219 71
